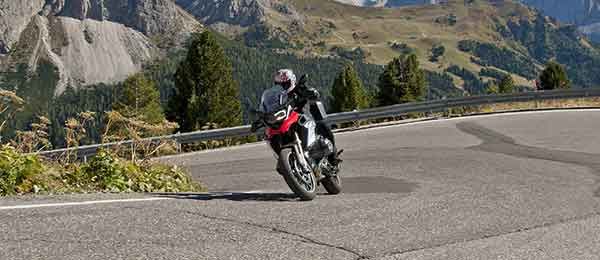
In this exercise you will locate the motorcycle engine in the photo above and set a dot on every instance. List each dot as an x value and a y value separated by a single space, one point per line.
320 148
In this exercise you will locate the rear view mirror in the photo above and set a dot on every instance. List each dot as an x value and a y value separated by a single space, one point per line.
303 79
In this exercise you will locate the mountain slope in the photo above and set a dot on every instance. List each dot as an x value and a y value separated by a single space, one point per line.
242 12
386 3
373 3
14 17
88 41
575 11
500 33
583 13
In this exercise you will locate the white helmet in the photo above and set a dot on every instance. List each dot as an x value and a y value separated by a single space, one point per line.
286 79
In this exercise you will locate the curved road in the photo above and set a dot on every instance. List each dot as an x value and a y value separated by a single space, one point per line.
510 186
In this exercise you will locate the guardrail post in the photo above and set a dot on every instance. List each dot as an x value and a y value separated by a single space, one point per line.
132 151
446 110
179 146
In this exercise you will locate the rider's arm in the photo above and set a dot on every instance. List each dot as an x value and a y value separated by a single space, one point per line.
306 92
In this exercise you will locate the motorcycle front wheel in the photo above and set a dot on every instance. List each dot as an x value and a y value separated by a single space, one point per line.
303 184
333 184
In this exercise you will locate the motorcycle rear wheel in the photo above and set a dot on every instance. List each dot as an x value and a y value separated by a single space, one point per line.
304 185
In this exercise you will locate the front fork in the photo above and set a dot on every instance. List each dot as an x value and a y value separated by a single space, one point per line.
300 151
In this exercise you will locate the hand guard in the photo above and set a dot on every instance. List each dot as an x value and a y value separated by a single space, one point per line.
313 94
255 126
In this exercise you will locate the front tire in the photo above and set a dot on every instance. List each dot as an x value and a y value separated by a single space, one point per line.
304 185
333 185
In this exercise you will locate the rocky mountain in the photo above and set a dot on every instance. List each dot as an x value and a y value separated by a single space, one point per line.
574 11
481 40
231 16
241 12
583 13
387 3
374 3
88 41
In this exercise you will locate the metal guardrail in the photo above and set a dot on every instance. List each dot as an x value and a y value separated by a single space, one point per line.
367 114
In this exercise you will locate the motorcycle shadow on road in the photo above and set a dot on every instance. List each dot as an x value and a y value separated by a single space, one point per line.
351 185
232 196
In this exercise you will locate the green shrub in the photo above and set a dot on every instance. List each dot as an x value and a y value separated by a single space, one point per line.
492 73
436 52
106 172
110 173
500 57
18 172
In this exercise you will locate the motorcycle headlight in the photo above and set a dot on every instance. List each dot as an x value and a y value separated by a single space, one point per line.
276 118
281 115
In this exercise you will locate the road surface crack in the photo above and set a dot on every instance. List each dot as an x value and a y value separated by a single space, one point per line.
302 238
498 143
520 230
495 142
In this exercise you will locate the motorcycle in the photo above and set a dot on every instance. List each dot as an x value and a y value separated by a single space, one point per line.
302 143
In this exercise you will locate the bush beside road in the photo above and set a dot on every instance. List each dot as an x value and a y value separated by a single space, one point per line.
105 172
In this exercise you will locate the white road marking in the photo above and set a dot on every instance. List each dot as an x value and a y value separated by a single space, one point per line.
254 192
66 204
92 202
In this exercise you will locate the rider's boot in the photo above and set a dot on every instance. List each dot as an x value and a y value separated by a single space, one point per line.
335 158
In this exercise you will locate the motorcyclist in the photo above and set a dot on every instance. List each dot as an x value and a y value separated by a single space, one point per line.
301 94
298 91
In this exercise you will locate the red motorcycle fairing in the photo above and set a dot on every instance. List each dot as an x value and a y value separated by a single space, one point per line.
285 126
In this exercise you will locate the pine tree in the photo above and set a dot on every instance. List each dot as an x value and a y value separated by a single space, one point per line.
554 77
205 91
402 81
507 85
140 99
348 92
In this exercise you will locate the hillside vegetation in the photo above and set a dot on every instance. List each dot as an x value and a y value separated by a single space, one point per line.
508 36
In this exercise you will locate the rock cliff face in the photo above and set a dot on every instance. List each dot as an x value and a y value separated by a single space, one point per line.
387 3
584 13
239 12
572 11
373 3
14 17
147 16
88 41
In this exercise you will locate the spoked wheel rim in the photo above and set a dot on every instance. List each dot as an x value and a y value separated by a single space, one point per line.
305 179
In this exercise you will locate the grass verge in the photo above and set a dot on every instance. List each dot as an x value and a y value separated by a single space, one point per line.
527 106
105 172
592 102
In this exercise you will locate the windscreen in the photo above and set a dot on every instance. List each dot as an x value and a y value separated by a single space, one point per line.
272 99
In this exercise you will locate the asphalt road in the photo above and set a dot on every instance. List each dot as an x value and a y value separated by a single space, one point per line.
510 186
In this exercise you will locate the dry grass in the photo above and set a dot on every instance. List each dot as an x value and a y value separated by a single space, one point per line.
414 26
533 105
546 104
